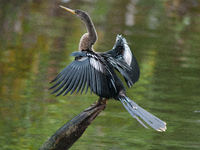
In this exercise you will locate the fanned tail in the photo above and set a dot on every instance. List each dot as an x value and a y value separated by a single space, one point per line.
136 111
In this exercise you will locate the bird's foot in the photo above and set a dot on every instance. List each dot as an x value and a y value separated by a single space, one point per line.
100 102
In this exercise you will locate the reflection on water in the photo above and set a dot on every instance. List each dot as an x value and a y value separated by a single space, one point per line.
36 40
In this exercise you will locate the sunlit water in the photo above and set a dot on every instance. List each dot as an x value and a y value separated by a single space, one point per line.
36 39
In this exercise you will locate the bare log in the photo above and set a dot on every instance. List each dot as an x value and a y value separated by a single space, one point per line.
69 133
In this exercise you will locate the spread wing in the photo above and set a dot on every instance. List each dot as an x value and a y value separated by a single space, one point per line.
85 71
123 60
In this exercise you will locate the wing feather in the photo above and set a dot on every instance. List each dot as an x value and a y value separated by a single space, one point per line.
85 79
93 76
62 81
98 85
74 82
123 60
66 85
88 78
60 74
81 80
77 82
84 72
57 83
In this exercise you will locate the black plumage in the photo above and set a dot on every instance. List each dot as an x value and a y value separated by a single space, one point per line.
96 70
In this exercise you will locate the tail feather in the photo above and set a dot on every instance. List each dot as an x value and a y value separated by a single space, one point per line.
136 111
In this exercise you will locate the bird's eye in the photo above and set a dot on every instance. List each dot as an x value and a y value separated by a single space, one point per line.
76 11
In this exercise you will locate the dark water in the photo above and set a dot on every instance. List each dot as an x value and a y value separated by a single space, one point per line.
36 38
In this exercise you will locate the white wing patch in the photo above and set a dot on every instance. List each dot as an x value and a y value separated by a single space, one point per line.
98 65
127 54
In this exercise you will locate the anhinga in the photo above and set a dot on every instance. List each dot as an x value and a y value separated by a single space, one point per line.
96 70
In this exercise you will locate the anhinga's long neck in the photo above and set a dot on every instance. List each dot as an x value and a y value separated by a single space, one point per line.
90 27
88 39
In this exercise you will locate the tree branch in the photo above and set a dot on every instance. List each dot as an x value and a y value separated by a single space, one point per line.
69 133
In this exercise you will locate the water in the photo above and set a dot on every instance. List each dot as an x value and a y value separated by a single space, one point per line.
36 40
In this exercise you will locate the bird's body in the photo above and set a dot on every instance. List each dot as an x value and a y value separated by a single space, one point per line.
96 70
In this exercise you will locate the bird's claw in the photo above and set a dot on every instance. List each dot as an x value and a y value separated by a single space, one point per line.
100 102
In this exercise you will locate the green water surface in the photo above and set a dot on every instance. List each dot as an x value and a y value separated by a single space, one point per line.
36 39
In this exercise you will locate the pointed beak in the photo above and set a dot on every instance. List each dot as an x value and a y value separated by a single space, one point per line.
70 10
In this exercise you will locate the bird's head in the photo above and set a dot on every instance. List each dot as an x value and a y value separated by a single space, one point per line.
88 39
79 13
